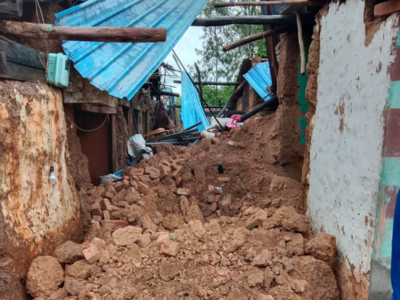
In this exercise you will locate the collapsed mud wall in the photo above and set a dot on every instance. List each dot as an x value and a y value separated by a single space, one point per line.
290 151
347 90
35 214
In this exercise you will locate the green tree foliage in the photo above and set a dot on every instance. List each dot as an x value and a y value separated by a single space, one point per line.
217 65
217 95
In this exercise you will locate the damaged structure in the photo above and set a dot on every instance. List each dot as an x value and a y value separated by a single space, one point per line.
298 203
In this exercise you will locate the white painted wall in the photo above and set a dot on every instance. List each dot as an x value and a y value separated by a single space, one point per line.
345 164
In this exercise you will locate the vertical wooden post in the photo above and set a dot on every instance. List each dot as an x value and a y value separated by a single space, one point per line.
301 45
113 143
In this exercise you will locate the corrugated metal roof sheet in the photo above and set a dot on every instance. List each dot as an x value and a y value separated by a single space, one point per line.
259 78
192 110
122 68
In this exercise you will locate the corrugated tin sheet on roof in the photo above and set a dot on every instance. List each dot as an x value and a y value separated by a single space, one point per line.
122 68
259 78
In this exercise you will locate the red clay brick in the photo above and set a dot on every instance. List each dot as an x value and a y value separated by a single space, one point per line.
114 224
105 204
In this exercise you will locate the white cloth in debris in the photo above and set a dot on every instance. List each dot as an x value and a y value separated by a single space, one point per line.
137 147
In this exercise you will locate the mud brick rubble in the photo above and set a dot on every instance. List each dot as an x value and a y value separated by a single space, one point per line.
218 220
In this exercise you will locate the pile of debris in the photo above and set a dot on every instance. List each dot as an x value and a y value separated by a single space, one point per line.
195 223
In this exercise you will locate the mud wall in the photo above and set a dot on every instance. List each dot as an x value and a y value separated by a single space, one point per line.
35 215
347 136
290 153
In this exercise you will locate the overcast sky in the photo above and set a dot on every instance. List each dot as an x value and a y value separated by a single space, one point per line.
185 49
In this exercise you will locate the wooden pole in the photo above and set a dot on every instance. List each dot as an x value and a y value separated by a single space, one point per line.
212 83
239 88
269 3
222 21
255 37
98 34
163 93
301 44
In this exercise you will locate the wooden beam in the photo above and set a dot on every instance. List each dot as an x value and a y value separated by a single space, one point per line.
269 3
212 83
98 109
386 8
301 45
113 144
98 34
222 21
255 37
21 54
11 70
163 93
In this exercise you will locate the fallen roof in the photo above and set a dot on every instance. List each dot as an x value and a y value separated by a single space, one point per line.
122 68
259 78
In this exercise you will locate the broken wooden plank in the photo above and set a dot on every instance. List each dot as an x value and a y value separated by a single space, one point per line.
267 3
222 21
98 109
255 37
98 34
10 70
386 8
21 54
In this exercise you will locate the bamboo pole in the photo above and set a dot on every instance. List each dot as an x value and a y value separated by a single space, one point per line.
98 34
255 37
268 3
301 44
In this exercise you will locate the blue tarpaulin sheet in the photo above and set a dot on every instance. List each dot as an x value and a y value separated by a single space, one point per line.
122 68
192 110
259 77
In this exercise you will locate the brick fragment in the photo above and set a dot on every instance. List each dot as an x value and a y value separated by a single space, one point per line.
224 179
169 248
118 186
105 204
114 224
185 192
119 196
91 253
95 209
136 171
108 195
96 218
143 188
106 215
256 220
108 183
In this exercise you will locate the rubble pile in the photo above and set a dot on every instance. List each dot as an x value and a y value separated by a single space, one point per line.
219 220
